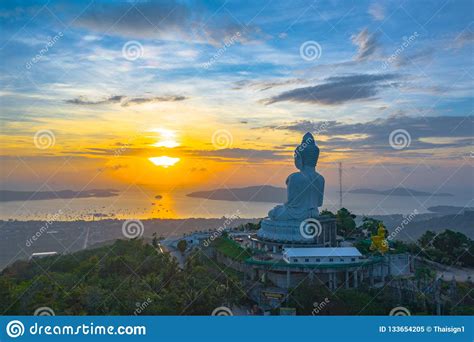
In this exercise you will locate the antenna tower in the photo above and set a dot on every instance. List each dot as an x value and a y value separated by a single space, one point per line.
340 185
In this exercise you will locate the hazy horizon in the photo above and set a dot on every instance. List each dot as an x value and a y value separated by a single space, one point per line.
154 95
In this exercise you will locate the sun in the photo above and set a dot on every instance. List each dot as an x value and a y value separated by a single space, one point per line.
164 161
168 143
167 138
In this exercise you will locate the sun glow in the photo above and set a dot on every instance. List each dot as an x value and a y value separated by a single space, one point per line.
168 143
167 138
164 161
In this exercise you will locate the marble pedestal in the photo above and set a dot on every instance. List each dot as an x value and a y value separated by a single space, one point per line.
288 233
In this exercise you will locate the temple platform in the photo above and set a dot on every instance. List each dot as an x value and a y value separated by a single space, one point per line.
275 235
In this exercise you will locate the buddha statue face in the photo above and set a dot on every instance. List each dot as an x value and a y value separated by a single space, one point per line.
307 153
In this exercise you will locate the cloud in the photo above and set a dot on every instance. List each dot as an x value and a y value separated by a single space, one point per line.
126 101
337 90
266 85
112 168
367 44
425 132
239 154
142 100
81 100
304 126
163 20
377 11
417 57
222 155
464 38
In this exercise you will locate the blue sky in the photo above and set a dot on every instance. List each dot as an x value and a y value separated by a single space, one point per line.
239 66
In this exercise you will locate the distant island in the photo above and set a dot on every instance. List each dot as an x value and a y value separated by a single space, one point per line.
398 192
12 195
158 197
259 193
449 209
272 194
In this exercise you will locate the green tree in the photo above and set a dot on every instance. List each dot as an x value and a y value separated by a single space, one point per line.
370 224
345 223
328 213
154 241
426 238
182 245
307 296
111 280
448 247
357 302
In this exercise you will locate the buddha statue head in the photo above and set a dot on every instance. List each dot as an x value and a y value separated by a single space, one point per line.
307 153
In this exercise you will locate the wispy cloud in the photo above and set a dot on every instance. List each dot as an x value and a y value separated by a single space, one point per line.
240 154
367 44
464 38
81 100
164 20
416 57
126 101
426 133
142 100
338 90
377 11
266 85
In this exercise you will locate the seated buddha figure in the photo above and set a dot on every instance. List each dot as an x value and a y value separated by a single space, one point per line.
305 189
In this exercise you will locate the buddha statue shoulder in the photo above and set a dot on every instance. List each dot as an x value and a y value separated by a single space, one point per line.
305 189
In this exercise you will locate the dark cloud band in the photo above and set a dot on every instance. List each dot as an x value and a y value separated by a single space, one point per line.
126 101
338 90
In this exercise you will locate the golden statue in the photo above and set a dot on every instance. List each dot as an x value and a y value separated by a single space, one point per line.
379 242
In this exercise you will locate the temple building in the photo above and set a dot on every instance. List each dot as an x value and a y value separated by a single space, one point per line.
295 243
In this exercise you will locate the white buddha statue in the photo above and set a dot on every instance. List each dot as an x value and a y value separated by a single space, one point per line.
305 189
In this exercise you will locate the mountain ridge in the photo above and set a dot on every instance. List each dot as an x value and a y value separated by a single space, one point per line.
272 194
399 191
258 193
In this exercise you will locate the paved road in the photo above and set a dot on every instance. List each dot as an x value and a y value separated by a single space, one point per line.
180 258
461 274
86 240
